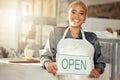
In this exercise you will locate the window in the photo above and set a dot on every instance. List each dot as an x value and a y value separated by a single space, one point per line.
36 19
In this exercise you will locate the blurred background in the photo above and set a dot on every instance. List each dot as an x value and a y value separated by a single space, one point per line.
26 24
30 21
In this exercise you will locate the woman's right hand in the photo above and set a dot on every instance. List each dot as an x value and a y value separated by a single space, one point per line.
51 67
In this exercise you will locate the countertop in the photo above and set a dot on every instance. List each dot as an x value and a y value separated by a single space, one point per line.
31 71
23 70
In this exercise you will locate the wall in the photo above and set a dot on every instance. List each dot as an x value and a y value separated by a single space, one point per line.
98 24
109 10
8 30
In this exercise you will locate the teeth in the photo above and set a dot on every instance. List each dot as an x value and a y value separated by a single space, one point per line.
76 20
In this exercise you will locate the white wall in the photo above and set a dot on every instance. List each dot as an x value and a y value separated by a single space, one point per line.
8 29
100 24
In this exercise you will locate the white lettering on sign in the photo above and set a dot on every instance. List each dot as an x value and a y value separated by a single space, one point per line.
70 64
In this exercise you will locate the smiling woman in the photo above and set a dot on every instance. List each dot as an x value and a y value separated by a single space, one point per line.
62 41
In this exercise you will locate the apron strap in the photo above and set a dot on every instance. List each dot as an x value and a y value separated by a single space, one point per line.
65 33
83 34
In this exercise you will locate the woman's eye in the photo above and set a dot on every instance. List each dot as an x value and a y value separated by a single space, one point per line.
81 13
73 12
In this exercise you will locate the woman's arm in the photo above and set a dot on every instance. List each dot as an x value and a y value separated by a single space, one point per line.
99 59
49 53
49 50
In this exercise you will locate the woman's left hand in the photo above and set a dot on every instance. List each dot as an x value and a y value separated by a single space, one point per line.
95 73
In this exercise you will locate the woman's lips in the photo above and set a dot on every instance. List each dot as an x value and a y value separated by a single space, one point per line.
76 20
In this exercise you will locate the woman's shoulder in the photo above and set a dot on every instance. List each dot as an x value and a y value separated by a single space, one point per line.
92 34
59 30
91 37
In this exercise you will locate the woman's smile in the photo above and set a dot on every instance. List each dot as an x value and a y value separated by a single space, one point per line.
76 20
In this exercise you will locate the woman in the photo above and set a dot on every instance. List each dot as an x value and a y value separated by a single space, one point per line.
73 33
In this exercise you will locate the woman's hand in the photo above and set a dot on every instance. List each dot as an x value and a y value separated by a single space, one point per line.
95 73
51 67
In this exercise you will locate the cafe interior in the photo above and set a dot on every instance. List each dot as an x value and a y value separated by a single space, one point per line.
25 26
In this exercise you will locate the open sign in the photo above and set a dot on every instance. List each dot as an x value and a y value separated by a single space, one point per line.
73 64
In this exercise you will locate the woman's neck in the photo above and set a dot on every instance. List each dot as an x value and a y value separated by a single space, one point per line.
75 31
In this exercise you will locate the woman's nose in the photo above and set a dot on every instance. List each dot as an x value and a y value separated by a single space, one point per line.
77 15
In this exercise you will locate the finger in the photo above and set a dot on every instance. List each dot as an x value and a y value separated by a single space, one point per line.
49 68
54 74
52 68
54 71
93 74
96 73
55 66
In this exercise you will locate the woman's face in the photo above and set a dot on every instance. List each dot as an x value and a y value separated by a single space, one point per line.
76 15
